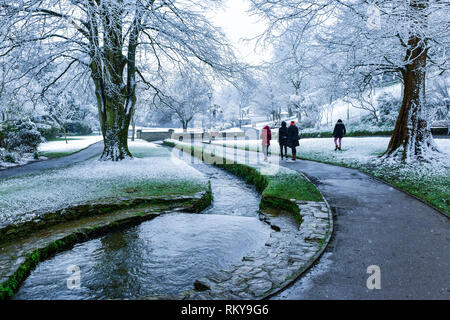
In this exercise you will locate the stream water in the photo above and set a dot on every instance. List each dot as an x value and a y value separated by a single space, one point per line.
163 256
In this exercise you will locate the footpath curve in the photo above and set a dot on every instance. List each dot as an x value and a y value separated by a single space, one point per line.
85 154
375 224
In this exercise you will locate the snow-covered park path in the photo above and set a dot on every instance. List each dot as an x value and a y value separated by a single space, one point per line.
374 224
89 152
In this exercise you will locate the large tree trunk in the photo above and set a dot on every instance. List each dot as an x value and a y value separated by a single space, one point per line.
115 117
115 99
133 129
412 134
184 124
115 136
65 132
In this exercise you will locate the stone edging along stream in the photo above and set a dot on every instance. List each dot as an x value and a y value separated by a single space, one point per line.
289 252
134 212
44 220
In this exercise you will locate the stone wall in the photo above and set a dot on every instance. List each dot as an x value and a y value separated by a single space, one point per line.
151 136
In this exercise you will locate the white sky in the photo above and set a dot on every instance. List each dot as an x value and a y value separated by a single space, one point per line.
238 25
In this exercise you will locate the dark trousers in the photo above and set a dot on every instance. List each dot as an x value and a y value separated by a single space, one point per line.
283 146
294 151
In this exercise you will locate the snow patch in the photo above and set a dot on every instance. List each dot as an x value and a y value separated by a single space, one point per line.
90 180
71 145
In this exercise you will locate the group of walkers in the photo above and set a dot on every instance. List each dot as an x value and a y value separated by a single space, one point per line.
288 137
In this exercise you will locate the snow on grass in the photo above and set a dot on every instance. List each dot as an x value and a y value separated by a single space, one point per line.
443 144
156 173
54 149
27 158
355 150
74 143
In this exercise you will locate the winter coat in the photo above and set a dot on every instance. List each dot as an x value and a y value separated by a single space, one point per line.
339 130
283 136
266 136
292 136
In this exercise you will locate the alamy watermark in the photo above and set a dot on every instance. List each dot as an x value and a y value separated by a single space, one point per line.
373 17
225 148
74 280
374 280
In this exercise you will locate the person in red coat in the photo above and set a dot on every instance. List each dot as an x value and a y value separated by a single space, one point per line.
266 136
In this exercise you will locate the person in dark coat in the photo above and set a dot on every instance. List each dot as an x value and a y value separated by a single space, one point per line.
266 136
292 139
283 139
338 133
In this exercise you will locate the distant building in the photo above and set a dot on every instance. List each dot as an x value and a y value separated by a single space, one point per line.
440 127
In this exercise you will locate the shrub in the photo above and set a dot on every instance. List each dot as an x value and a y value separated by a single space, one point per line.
9 157
21 136
78 128
48 130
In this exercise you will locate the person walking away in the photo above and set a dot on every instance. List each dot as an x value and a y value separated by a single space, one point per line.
338 133
266 136
292 139
283 139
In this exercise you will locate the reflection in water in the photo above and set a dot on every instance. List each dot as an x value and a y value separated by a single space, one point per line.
162 256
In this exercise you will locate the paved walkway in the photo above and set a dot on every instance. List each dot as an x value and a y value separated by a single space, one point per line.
375 225
85 154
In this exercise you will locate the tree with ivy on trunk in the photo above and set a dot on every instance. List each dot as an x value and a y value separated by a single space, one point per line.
120 44
374 38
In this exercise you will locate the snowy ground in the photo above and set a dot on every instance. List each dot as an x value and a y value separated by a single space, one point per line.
52 148
74 144
27 158
429 181
359 150
154 172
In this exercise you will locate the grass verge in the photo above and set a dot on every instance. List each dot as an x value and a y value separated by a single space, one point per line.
62 139
55 155
433 190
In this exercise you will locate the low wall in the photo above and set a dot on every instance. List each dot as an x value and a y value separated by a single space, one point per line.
153 135
186 136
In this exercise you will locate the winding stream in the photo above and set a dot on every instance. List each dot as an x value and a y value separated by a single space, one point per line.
159 257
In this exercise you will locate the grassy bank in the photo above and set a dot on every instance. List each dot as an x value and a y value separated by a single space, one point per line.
430 183
120 219
57 147
355 133
24 198
56 155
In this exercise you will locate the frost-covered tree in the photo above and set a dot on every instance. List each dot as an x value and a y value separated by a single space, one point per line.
267 99
184 95
407 37
307 73
439 100
118 43
62 109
